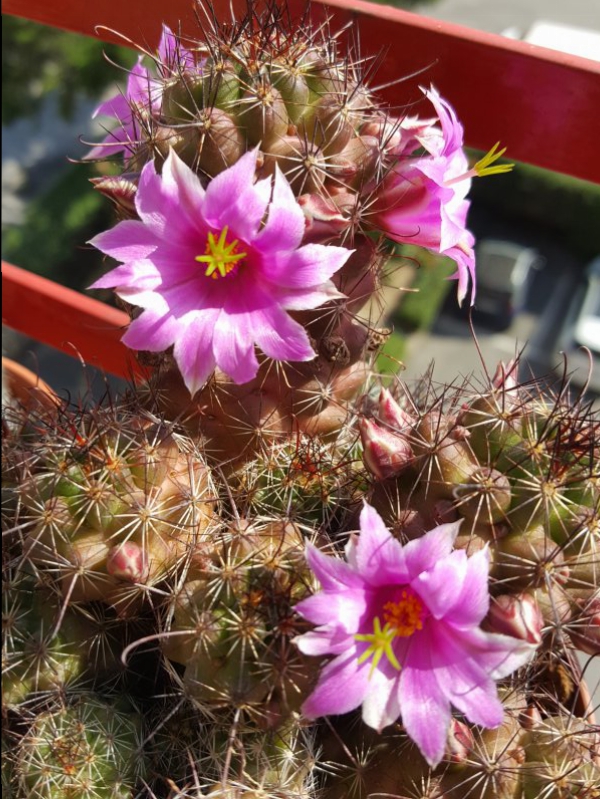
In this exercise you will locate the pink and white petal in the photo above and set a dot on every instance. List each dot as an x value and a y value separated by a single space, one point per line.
234 199
285 224
116 140
379 558
184 187
160 210
381 705
116 106
341 688
128 241
464 256
310 266
425 709
423 553
463 680
499 655
346 608
151 332
333 573
193 348
439 585
324 641
472 602
279 336
154 207
173 56
302 300
233 347
451 128
151 300
136 275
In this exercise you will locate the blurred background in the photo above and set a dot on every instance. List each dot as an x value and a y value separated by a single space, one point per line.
538 232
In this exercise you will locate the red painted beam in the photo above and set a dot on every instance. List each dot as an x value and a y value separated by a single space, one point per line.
543 105
67 320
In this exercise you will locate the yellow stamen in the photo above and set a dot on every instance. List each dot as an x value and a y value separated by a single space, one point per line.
220 255
484 165
381 643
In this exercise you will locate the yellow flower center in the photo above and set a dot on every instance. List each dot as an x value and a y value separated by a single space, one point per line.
220 256
402 618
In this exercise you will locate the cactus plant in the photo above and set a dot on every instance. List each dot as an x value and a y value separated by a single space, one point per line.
169 552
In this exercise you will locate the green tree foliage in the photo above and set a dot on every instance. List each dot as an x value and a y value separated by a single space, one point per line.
37 60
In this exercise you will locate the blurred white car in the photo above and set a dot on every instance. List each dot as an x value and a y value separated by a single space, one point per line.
504 273
566 38
587 325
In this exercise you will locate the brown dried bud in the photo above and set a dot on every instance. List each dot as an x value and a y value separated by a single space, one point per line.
121 190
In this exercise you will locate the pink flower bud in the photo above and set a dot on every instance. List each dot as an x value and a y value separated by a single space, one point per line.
530 717
517 615
585 629
392 414
385 453
459 743
324 219
127 562
505 376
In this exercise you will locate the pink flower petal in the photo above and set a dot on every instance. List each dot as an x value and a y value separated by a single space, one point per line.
311 265
472 602
375 554
452 130
280 337
324 641
128 241
305 299
499 655
333 573
193 349
439 585
234 199
423 553
381 705
425 709
152 333
141 275
345 608
233 348
284 227
341 687
463 681
184 187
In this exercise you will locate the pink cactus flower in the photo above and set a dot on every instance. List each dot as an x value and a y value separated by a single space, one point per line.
403 625
142 96
217 269
423 201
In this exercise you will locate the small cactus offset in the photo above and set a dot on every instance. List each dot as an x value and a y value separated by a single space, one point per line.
267 573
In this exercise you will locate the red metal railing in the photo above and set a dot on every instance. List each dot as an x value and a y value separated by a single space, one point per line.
543 105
